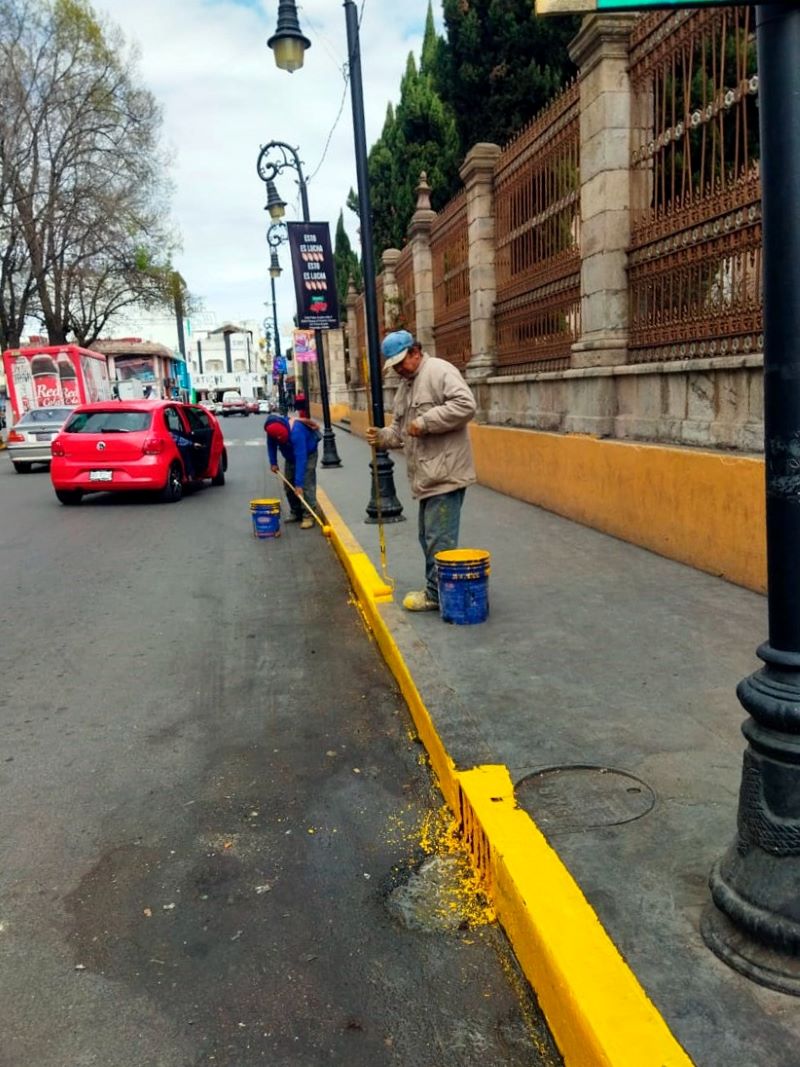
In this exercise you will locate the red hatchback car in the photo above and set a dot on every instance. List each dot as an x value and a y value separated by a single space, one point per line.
122 445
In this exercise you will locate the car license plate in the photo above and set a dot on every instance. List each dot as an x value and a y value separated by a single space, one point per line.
100 476
43 436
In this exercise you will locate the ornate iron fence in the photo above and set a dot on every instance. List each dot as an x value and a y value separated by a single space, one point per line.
537 191
695 254
450 257
406 318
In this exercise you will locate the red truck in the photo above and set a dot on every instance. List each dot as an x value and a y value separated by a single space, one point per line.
54 376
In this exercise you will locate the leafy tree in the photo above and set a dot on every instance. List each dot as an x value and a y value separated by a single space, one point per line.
500 65
419 134
346 264
82 188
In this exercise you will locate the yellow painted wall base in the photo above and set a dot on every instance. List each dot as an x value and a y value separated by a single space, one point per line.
699 507
359 421
338 411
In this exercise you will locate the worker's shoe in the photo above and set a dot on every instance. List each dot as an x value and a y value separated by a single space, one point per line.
420 601
306 523
294 518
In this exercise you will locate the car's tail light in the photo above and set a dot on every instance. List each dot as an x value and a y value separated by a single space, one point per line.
15 437
57 448
153 446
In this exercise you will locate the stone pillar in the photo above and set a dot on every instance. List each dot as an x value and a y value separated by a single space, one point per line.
477 174
352 336
601 53
391 294
419 234
334 364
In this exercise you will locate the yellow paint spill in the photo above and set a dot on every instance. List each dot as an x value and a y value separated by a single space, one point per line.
440 835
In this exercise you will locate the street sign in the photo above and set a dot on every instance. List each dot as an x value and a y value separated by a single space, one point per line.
583 7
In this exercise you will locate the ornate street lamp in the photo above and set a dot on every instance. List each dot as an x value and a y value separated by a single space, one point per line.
275 206
386 506
288 42
276 234
272 159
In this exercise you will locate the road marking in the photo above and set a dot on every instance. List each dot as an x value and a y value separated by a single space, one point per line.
252 444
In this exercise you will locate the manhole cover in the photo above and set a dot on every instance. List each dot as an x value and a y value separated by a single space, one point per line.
568 799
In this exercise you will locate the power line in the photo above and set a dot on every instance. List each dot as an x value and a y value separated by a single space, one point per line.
346 75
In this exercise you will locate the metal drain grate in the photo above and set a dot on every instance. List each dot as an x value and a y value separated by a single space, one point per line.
575 798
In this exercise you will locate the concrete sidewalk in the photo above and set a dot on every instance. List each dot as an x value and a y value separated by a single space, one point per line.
600 657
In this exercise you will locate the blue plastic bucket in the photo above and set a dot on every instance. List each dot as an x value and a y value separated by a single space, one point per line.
266 516
463 578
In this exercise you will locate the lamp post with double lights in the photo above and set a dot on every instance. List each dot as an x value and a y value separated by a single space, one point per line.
271 380
276 235
288 45
274 158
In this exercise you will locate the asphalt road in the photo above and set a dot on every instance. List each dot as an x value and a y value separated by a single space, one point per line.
212 804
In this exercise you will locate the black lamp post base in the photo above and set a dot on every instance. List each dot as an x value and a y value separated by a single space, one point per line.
330 457
387 508
763 964
753 922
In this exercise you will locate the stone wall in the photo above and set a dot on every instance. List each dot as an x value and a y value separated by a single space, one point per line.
708 402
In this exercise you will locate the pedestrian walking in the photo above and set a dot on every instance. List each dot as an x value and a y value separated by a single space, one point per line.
431 410
297 443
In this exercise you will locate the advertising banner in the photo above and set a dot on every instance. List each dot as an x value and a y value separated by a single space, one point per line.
314 275
54 377
305 346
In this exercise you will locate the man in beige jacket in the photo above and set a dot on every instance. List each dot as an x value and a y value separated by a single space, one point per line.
431 410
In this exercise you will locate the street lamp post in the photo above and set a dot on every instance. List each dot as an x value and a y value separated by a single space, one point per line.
383 504
272 159
275 235
270 381
754 920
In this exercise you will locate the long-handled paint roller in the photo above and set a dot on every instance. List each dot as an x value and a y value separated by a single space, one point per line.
323 525
377 495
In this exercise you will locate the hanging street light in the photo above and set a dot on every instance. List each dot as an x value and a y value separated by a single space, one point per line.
288 42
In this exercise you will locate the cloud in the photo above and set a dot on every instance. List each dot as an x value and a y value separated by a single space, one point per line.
207 63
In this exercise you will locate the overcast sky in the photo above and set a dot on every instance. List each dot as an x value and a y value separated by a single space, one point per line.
207 63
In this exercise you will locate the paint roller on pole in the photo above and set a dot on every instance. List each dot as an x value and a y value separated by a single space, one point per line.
322 525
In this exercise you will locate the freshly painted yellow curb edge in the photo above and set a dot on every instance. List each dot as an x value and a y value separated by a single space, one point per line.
598 1012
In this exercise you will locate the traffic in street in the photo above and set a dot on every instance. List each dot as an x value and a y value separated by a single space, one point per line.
221 840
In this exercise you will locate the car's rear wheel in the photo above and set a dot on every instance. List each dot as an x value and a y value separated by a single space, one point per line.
222 466
173 489
70 497
22 468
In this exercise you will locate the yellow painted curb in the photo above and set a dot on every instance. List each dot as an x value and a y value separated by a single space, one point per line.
597 1011
366 581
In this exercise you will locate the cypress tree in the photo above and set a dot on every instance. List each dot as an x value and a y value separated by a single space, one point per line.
500 65
420 134
346 264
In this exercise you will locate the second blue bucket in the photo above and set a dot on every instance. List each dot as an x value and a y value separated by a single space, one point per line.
266 515
463 579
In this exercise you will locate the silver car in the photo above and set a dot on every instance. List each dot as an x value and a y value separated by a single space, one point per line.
29 439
